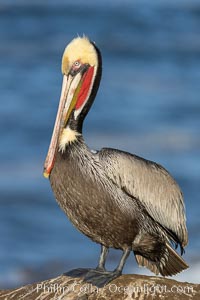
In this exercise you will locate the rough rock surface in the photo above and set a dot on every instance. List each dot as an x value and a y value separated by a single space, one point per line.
124 287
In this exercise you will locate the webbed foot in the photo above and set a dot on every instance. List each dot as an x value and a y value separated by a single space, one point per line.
100 278
97 277
80 272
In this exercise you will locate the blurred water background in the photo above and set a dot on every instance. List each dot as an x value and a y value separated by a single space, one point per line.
148 104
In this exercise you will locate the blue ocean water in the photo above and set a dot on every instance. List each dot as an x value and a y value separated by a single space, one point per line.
148 104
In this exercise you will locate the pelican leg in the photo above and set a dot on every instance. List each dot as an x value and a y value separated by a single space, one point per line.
102 259
122 261
102 277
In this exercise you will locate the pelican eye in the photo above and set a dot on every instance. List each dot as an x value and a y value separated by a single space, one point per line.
76 67
77 64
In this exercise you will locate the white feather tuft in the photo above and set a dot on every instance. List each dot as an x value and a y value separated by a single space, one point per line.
68 136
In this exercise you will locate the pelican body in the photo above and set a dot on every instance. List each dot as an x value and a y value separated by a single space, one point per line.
117 199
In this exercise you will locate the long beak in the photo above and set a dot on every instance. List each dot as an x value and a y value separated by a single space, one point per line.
70 88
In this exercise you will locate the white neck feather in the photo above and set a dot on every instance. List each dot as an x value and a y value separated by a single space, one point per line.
68 136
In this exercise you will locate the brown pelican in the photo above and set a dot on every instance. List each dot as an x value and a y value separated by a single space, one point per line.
117 199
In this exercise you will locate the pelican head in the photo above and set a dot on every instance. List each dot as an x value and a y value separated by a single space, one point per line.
81 69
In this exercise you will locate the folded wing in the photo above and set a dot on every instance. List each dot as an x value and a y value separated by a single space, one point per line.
151 184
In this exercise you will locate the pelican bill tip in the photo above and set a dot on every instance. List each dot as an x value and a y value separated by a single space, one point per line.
46 175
